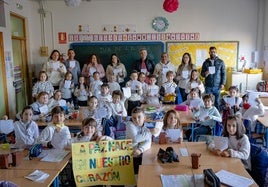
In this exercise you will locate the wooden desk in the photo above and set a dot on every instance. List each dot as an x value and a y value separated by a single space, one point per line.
16 174
35 163
151 168
149 175
150 156
17 177
264 121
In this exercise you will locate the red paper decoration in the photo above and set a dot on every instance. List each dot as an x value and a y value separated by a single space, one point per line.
171 5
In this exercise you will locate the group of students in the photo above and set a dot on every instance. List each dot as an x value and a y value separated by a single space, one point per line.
107 101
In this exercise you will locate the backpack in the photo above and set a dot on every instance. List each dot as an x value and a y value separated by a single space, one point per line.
115 127
259 164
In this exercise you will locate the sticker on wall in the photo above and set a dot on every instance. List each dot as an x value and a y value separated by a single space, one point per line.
134 37
120 28
62 37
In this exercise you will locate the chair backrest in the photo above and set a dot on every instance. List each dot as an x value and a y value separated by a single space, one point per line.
218 128
247 125
7 184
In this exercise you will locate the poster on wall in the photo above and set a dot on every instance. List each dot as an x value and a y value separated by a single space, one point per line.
199 51
103 163
62 38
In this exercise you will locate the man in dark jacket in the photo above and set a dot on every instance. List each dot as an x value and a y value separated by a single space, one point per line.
144 64
213 70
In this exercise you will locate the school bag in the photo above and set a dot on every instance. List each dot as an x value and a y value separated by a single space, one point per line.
115 127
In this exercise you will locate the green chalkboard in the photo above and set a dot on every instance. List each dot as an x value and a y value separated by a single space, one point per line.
128 52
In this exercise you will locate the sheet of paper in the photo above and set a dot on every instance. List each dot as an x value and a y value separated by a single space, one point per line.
126 92
174 134
144 71
158 125
134 85
184 152
230 100
211 69
116 71
182 180
92 70
153 91
55 66
62 102
194 85
6 126
101 113
43 109
194 103
221 142
37 176
170 90
185 74
203 115
72 63
67 84
165 70
232 179
252 98
55 155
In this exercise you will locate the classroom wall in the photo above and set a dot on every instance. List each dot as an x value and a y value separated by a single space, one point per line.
215 20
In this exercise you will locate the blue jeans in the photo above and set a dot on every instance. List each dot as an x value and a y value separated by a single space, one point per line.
216 92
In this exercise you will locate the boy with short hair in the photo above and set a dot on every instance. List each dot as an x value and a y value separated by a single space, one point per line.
95 84
136 92
168 89
56 135
140 135
105 95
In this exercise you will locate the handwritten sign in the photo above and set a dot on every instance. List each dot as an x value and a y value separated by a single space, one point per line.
103 163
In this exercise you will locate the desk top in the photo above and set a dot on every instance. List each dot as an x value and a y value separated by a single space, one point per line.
264 119
67 122
35 163
150 156
151 168
17 177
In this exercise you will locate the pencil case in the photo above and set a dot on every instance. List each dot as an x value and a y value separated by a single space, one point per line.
211 179
182 108
35 150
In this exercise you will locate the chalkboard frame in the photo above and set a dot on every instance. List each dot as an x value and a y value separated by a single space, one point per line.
83 57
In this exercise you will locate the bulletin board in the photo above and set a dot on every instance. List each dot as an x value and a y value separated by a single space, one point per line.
199 51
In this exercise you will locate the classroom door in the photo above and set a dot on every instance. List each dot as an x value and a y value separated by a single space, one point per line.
3 86
21 75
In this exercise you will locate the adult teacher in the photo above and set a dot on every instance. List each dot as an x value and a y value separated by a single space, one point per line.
144 64
213 70
55 69
92 66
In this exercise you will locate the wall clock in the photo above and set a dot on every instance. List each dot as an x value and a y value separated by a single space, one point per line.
160 24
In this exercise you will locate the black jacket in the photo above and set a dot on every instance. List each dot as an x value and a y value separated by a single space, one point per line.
149 65
216 79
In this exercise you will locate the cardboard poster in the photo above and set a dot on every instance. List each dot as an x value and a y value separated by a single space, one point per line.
103 163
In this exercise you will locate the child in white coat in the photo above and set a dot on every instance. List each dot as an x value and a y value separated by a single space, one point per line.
26 130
